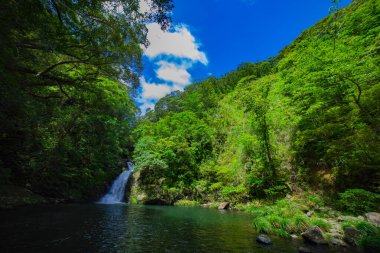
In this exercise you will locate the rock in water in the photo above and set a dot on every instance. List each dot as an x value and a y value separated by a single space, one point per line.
314 235
351 235
264 239
224 205
373 218
304 250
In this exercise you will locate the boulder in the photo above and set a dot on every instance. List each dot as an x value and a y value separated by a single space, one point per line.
314 235
310 213
224 205
373 218
304 250
351 235
264 239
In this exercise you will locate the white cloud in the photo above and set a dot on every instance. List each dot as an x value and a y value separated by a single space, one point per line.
151 92
172 54
174 73
178 43
145 105
145 6
154 90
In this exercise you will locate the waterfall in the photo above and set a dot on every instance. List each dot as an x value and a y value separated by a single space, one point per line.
116 194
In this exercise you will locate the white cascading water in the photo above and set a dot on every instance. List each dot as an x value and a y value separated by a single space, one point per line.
116 194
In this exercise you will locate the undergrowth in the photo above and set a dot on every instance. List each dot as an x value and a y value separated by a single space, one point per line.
369 239
185 202
283 218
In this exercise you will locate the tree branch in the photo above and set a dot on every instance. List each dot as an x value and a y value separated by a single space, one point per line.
57 10
61 63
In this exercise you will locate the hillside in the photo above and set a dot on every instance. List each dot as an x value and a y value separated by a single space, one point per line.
307 119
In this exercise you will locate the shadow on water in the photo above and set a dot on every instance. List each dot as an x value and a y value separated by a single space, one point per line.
124 228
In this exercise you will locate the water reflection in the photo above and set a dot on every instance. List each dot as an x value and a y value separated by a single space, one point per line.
123 228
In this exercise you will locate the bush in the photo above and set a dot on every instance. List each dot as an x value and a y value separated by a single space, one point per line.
234 193
358 201
313 200
276 191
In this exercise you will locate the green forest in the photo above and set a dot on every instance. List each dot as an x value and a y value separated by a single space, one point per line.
66 111
307 118
298 131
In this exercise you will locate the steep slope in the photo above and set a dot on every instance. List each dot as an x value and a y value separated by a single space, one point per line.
308 117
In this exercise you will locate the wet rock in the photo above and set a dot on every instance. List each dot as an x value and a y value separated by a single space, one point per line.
351 235
314 235
373 218
310 213
294 236
304 250
264 239
224 205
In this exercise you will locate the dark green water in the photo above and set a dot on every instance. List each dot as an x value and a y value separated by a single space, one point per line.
123 228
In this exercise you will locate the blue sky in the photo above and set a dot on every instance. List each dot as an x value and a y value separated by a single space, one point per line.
212 37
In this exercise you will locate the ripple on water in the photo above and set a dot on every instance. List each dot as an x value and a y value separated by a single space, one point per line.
124 228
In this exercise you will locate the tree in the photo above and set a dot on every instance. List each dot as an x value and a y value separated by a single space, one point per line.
67 73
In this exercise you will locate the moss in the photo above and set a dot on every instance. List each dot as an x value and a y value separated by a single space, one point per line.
133 200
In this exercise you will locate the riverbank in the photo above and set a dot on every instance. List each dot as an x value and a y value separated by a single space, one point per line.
13 196
305 216
136 228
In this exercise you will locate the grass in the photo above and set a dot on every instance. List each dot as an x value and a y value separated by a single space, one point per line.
370 243
284 218
369 239
185 202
